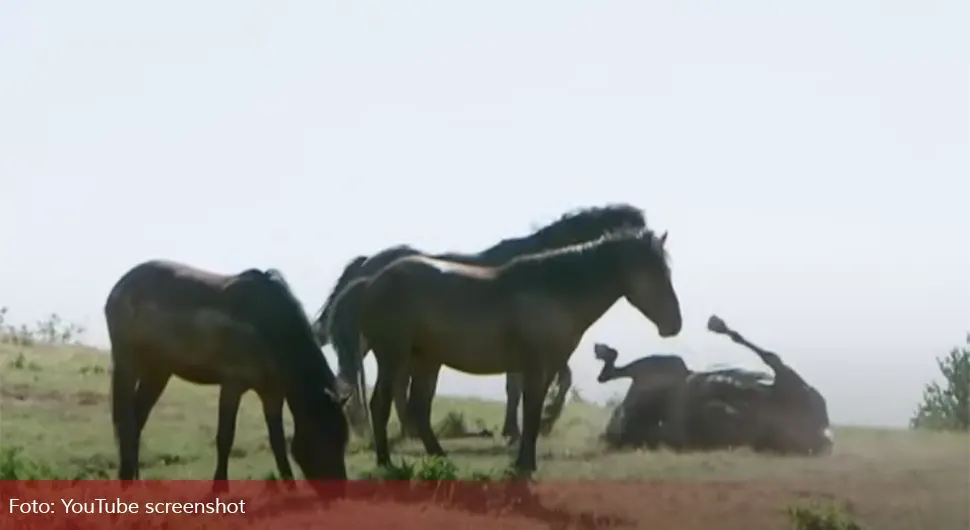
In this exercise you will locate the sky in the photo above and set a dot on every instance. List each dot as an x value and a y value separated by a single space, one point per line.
809 160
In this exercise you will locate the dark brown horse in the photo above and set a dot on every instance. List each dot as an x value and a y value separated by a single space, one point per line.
637 420
570 229
526 316
242 332
716 409
793 416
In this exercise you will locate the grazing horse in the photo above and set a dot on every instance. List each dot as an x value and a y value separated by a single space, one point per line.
572 228
241 332
526 316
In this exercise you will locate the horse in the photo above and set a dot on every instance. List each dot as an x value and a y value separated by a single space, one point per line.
571 228
716 409
526 316
637 419
792 415
242 332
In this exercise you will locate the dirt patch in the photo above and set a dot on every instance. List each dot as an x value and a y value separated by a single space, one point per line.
87 397
25 392
752 505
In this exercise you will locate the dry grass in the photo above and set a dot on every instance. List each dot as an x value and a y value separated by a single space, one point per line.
54 406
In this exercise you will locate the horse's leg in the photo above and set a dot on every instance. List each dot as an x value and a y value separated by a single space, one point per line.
229 397
513 395
273 414
124 416
380 403
424 379
535 383
150 388
408 429
551 414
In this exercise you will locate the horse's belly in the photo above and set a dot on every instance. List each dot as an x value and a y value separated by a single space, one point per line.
207 353
482 364
478 351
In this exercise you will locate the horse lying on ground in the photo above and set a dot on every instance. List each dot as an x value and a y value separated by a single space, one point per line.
671 405
242 332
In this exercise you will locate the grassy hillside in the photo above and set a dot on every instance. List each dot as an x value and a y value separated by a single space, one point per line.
54 408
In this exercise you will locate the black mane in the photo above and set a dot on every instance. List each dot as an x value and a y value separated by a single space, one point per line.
571 228
349 270
569 265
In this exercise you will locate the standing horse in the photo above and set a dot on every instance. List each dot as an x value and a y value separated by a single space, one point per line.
526 316
244 331
570 229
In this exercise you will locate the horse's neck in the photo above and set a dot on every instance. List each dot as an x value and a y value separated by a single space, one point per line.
594 304
466 259
509 249
379 261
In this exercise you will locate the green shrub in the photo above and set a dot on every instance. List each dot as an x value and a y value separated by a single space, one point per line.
944 406
51 330
817 517
14 466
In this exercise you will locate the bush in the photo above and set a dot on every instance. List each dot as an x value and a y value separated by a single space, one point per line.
13 466
944 407
818 517
52 330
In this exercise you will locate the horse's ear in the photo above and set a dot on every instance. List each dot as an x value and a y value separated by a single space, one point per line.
663 238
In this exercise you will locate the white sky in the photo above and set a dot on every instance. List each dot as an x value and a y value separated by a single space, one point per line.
810 160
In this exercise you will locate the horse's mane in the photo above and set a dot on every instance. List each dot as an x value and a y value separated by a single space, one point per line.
741 377
570 262
317 363
577 226
277 276
348 271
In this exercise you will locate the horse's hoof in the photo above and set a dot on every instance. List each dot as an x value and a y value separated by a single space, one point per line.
521 470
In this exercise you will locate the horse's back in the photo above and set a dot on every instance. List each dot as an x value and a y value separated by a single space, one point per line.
168 283
163 301
427 279
444 306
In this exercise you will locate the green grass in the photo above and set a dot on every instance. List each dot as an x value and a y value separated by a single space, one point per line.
55 411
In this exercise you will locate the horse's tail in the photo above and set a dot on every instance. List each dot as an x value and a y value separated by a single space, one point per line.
343 328
553 410
117 311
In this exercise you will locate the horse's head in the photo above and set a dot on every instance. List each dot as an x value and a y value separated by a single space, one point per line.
320 440
320 427
645 275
